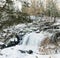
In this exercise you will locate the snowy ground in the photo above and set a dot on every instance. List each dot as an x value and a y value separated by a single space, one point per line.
32 40
13 52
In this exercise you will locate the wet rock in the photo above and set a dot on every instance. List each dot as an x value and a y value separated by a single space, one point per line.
12 42
45 28
22 51
38 31
30 52
2 45
15 40
47 24
54 27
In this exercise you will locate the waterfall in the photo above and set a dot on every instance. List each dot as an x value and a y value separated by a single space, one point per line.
33 39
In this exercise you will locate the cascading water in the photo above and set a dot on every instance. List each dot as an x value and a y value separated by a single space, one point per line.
29 47
33 41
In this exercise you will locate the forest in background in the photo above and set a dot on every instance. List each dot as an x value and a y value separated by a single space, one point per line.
9 16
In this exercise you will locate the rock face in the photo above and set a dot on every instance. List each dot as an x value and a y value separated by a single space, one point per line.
12 43
2 45
30 51
15 41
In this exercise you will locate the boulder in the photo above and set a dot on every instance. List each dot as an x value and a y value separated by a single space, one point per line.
30 52
2 45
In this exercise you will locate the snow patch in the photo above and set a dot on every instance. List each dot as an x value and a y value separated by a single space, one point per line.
17 5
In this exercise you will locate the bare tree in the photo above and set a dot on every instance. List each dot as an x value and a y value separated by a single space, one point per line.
51 9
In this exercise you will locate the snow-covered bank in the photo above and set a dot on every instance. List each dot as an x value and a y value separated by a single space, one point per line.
35 43
14 52
17 5
31 41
